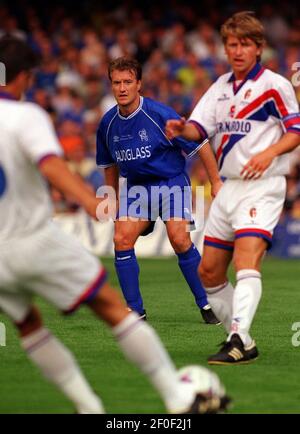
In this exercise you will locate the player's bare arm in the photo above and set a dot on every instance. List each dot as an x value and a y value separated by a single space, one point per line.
179 127
56 171
207 156
258 164
111 175
187 130
70 198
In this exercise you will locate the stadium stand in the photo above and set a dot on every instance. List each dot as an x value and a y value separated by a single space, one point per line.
181 54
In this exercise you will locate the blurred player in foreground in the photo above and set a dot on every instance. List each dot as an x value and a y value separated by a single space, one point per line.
36 257
131 140
252 118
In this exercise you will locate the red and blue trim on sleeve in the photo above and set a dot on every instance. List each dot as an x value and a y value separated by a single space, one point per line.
201 130
90 293
219 244
292 123
46 156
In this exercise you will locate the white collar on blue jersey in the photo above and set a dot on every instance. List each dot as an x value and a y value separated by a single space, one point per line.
133 113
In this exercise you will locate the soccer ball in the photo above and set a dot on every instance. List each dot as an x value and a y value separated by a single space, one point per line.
210 396
204 381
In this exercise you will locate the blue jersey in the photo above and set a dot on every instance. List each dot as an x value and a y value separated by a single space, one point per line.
138 145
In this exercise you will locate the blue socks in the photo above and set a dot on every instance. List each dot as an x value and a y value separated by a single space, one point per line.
128 273
128 270
188 263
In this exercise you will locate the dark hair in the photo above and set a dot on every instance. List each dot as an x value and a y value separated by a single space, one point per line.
16 56
125 64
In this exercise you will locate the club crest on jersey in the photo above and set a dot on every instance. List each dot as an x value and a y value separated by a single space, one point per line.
247 94
143 135
253 213
232 111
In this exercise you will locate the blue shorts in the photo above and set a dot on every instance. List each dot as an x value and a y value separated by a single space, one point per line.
164 198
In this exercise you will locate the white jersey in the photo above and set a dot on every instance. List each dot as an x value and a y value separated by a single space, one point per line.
243 119
26 138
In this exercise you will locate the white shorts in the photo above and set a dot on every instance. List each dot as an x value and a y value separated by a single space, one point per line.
51 264
245 209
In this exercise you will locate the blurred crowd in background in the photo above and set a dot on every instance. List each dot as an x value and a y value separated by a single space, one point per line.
178 45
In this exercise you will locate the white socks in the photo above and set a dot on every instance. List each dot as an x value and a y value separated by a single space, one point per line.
236 307
220 298
142 346
58 365
245 301
138 342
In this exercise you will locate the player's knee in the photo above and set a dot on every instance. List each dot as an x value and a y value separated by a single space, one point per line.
243 260
241 263
180 242
204 273
123 241
237 262
108 305
208 275
31 323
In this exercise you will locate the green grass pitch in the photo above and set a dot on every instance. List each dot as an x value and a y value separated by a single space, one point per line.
269 385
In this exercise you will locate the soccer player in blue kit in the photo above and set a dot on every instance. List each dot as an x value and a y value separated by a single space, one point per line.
38 258
131 142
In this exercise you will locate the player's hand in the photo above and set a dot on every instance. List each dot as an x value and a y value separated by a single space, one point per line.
258 164
174 127
216 187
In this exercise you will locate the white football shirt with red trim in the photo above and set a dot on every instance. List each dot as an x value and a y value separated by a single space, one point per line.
244 119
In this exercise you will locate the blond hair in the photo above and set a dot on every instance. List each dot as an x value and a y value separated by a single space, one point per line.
244 25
